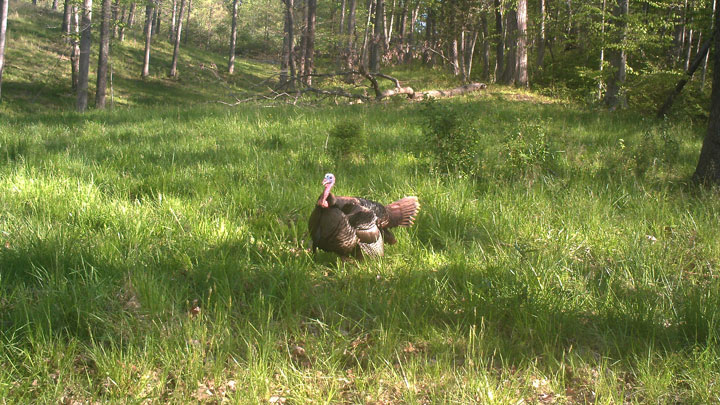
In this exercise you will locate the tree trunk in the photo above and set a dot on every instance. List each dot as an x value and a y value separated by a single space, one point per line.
55 5
486 45
349 51
468 52
74 46
705 61
341 30
4 6
409 54
500 45
104 54
148 38
378 33
708 168
454 59
288 60
688 54
233 37
511 38
121 30
602 49
187 22
173 21
521 74
158 17
388 27
364 50
613 96
115 25
300 62
84 66
65 28
541 35
178 36
131 15
309 58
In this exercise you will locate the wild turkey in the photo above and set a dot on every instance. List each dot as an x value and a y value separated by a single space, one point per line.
353 226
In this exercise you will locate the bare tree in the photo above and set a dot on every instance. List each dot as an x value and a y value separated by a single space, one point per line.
84 67
4 5
149 7
178 35
104 55
708 168
233 37
521 74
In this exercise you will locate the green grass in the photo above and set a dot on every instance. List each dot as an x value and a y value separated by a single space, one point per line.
589 281
157 252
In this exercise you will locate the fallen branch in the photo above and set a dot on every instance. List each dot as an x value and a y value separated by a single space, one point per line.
374 85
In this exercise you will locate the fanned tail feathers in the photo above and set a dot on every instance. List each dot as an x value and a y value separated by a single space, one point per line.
403 211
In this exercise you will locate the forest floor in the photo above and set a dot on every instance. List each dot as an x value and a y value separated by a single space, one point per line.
157 251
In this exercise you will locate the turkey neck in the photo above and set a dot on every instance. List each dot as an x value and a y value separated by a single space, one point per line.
327 196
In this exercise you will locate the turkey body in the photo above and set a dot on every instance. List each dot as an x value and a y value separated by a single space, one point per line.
354 226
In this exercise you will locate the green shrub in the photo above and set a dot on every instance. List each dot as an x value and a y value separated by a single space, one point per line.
451 139
527 148
346 139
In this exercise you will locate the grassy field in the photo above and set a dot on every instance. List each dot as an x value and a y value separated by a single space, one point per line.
157 253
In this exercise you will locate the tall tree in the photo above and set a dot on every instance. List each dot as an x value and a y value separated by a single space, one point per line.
4 5
149 11
104 55
618 60
708 168
84 67
485 45
233 37
178 36
115 21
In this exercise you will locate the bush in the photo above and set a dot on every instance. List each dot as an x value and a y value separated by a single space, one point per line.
453 141
346 139
528 148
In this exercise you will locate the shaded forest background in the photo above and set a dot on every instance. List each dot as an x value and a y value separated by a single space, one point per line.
592 51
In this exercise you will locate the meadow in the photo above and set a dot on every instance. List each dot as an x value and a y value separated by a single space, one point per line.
157 252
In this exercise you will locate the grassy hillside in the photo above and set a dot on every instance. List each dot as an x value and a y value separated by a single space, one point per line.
157 253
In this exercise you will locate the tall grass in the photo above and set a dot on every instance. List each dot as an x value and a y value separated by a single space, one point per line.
159 254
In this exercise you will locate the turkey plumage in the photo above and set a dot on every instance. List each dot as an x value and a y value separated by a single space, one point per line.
354 226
